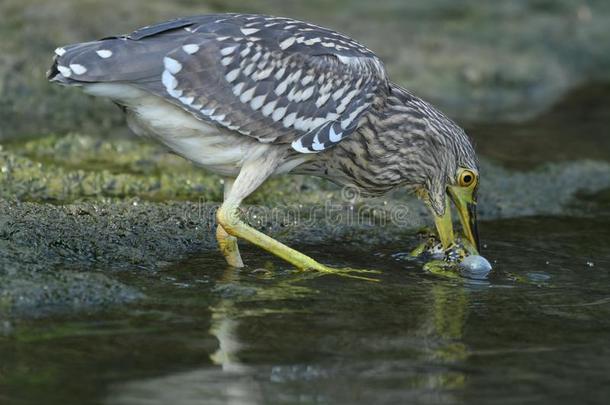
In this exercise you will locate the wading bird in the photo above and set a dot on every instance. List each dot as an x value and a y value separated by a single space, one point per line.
251 96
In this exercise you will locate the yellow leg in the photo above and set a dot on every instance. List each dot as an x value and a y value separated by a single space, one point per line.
228 217
228 247
227 243
252 175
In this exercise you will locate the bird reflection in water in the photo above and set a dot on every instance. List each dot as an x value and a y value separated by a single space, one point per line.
431 338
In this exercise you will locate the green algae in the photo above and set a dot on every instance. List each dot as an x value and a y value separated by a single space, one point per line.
72 167
66 168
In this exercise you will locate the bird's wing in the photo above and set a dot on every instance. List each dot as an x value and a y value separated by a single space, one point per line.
275 79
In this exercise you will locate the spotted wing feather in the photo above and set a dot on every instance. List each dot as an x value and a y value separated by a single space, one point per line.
275 79
284 82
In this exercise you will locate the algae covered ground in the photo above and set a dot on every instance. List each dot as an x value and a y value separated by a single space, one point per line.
76 209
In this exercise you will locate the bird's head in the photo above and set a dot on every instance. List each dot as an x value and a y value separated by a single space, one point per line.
450 175
438 160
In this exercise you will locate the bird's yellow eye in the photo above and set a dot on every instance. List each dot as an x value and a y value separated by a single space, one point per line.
466 178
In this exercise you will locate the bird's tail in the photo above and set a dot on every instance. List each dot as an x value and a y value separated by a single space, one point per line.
116 59
64 68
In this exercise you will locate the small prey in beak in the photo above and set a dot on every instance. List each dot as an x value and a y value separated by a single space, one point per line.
463 196
455 255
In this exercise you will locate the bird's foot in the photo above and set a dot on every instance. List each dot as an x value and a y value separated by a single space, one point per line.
345 272
461 259
432 249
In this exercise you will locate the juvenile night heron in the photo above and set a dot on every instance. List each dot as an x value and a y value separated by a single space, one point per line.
250 96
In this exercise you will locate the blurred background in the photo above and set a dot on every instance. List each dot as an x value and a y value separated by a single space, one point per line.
477 60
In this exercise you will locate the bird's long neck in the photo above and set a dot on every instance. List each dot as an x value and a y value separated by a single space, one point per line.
391 147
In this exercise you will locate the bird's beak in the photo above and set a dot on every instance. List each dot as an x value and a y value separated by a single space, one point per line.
465 203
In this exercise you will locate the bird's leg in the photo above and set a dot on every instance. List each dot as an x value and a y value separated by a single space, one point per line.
227 243
252 175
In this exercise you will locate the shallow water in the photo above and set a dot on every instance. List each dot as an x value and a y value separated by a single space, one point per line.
536 331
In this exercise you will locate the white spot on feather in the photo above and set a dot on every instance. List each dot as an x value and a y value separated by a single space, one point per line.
256 56
78 69
187 100
318 122
307 93
268 108
327 87
172 65
278 114
322 100
312 41
302 123
339 93
306 80
287 43
280 73
333 136
104 53
226 61
345 123
60 51
293 77
249 69
345 59
232 75
175 93
281 88
294 94
263 74
168 80
65 72
249 31
289 120
228 50
346 100
298 146
331 116
190 48
257 102
247 95
316 145
238 88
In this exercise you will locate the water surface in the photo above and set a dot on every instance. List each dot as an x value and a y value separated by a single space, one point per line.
536 331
